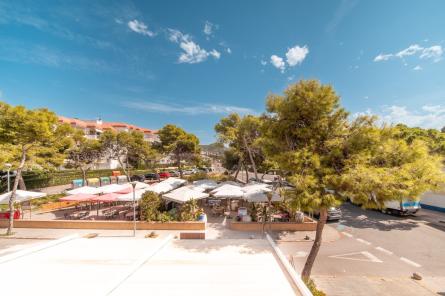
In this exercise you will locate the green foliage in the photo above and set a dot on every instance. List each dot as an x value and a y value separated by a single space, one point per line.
84 153
178 142
38 202
189 211
313 288
150 206
434 139
129 148
197 176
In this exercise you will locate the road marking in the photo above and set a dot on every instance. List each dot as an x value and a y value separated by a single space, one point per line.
347 234
359 256
384 250
410 262
363 241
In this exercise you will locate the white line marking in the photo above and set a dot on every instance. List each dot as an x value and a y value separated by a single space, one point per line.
136 265
36 248
363 241
347 234
362 256
410 262
384 250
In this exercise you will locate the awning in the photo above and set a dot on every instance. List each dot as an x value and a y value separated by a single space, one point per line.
260 196
20 196
84 190
184 194
256 187
78 197
128 188
226 187
111 188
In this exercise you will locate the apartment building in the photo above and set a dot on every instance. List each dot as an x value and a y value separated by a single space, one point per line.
93 128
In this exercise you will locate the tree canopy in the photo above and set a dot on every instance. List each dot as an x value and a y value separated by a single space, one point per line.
176 141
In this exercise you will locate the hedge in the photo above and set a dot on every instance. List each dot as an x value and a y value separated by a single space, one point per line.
41 179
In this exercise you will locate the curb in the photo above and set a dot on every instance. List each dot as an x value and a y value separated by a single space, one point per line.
296 278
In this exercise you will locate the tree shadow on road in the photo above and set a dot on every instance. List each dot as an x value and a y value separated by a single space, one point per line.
356 217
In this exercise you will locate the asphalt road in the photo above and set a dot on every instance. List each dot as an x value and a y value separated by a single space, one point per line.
376 254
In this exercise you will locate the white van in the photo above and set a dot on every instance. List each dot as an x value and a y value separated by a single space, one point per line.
403 207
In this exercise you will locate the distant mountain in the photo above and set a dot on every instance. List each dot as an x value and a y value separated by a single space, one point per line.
214 148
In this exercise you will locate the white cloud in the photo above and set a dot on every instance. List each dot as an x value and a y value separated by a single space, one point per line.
209 29
278 62
417 68
140 27
409 51
228 50
427 116
382 57
189 110
192 52
216 54
296 55
434 52
263 62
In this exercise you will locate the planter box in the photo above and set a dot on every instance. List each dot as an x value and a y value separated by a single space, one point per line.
113 225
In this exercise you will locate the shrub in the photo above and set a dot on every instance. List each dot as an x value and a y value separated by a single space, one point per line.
197 176
189 210
149 206
313 288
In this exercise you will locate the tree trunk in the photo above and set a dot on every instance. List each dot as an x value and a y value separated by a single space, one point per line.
178 159
306 274
22 185
238 169
84 176
250 157
123 168
247 174
14 189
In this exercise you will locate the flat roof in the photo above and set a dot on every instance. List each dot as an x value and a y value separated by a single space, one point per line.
162 266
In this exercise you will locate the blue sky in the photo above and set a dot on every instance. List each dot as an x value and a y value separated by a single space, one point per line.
191 62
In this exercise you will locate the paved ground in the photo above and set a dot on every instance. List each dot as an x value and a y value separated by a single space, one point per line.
376 254
126 265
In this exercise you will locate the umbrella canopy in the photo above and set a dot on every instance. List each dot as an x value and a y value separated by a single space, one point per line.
228 191
20 196
128 188
129 196
206 184
184 194
111 188
84 190
226 187
167 185
256 187
260 196
109 197
78 197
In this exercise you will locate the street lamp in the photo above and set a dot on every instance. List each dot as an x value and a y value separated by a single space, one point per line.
269 198
8 168
133 184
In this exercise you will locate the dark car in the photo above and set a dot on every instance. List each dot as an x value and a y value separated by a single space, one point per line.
164 175
152 176
140 178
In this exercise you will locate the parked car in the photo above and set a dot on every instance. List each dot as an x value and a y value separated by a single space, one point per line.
174 173
334 214
187 172
140 178
164 175
403 207
152 176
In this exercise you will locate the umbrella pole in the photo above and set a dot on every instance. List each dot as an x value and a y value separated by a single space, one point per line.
97 209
